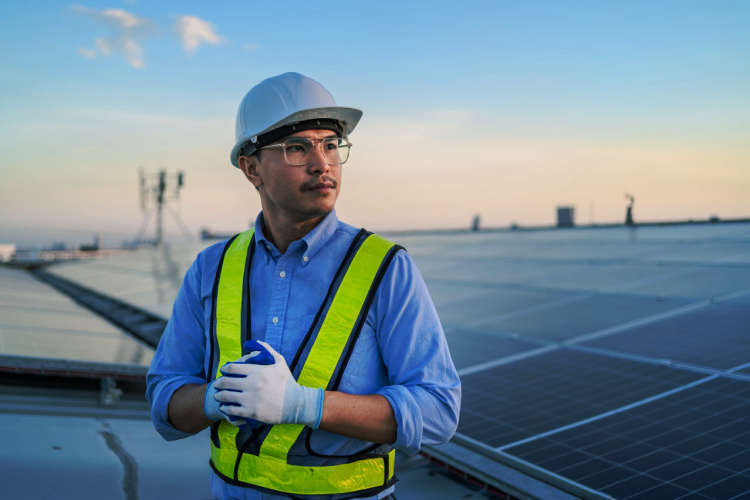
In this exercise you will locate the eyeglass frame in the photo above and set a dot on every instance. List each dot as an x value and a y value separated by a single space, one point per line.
282 145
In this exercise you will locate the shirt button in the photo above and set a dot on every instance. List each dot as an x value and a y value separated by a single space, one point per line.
275 320
305 258
282 274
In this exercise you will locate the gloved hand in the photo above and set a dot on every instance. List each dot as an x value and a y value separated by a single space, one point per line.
266 393
210 405
258 355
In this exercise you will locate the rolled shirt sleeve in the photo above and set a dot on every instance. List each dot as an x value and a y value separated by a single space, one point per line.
424 390
180 356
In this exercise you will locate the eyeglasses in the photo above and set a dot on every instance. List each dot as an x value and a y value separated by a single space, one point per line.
299 150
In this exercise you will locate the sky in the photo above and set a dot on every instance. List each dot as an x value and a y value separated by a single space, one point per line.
504 109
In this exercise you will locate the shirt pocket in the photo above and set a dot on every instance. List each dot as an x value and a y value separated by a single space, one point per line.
295 335
365 359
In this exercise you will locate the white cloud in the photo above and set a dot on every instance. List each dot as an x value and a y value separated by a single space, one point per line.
87 53
194 31
250 47
103 46
127 32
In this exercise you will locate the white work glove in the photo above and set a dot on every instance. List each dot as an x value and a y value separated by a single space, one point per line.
267 393
210 405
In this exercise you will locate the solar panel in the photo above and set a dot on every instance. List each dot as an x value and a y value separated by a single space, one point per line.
697 440
490 270
742 299
469 348
722 252
494 303
446 294
512 402
700 284
590 314
149 278
605 277
38 322
716 336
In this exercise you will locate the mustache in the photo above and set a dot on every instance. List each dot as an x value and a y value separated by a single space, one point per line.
319 182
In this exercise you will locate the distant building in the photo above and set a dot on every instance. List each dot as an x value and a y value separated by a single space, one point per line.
7 251
565 216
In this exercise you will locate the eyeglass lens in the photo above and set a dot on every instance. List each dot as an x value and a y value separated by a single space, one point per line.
299 150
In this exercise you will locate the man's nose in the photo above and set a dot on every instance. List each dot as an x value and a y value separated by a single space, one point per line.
318 161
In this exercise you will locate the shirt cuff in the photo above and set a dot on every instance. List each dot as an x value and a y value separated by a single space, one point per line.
160 406
408 418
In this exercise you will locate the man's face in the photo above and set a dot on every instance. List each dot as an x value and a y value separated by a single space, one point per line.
296 192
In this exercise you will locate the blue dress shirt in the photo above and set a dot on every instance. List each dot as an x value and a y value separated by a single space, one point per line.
401 353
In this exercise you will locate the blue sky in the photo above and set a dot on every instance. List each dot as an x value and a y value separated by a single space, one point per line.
500 108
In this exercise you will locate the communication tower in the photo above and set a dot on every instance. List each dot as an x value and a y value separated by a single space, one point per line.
159 191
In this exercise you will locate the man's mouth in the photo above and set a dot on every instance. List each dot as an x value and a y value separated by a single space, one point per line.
324 185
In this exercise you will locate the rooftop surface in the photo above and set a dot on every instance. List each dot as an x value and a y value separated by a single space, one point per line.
606 362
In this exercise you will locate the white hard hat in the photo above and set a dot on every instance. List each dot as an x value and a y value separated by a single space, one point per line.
283 102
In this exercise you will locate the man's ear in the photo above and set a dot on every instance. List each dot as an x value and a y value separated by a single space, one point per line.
249 166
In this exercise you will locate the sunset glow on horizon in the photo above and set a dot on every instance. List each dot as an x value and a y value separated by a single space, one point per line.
501 109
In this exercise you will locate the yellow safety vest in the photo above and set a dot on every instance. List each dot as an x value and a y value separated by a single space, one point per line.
278 458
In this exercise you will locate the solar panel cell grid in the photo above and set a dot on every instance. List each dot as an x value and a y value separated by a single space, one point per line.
716 336
703 446
519 400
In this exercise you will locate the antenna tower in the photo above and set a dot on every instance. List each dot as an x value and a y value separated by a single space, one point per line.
159 191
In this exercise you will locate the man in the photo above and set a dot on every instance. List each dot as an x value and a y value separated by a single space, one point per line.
359 362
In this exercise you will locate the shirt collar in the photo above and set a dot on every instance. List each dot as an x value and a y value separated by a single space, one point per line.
313 241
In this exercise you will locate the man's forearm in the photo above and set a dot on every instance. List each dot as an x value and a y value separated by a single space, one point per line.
367 418
186 408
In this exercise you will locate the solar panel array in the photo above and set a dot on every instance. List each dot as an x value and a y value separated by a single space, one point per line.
39 323
616 358
148 278
624 353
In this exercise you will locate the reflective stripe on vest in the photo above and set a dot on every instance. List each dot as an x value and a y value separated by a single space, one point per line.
269 468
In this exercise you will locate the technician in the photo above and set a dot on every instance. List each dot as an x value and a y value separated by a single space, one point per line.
360 362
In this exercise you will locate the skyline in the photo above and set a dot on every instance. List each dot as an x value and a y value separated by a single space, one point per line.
494 108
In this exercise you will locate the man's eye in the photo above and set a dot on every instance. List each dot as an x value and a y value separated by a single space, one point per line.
296 148
332 145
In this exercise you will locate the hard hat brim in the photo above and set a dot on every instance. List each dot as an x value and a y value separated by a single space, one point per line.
349 118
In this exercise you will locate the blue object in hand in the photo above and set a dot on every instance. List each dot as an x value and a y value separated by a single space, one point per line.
264 358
